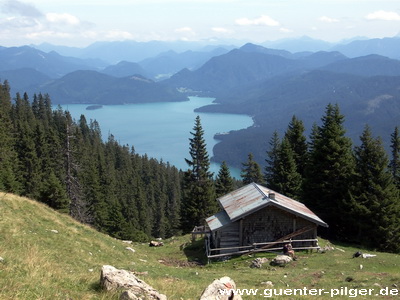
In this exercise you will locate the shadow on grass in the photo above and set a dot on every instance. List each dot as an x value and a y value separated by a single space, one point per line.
196 251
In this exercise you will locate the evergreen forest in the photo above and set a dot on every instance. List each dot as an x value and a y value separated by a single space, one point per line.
64 163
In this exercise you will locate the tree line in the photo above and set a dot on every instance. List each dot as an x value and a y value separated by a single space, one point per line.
49 157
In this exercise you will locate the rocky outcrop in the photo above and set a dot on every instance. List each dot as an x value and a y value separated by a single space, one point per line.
220 289
135 288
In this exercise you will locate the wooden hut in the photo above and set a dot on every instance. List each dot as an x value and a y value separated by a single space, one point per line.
253 215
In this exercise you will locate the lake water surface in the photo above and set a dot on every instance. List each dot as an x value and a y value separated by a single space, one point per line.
162 130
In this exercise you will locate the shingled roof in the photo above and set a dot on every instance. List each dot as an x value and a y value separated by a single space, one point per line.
253 197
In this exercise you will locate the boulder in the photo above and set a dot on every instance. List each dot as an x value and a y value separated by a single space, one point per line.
281 260
156 244
112 279
258 262
220 289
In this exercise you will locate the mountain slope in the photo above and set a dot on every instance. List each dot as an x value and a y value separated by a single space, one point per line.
125 69
51 64
47 255
90 87
25 79
249 65
370 65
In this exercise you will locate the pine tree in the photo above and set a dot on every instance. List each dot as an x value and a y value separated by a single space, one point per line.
251 171
395 161
198 200
224 182
330 171
376 206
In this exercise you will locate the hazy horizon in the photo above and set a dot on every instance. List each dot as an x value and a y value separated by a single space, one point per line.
78 23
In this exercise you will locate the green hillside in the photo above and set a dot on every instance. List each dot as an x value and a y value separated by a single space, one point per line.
48 255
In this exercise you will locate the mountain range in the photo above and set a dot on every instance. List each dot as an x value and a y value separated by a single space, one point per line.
269 84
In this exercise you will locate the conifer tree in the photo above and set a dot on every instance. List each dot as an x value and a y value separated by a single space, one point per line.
272 161
8 158
251 171
224 182
287 180
395 161
298 142
198 200
376 205
329 171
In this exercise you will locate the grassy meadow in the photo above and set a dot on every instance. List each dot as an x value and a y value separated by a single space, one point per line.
47 255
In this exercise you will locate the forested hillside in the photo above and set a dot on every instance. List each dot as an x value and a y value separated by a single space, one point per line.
64 163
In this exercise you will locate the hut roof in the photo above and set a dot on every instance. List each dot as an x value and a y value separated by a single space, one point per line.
253 197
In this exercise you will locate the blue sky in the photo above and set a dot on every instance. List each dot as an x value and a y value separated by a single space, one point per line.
82 22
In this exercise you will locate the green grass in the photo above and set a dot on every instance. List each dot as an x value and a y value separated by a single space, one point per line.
41 264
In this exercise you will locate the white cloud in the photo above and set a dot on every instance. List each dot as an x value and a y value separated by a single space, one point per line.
20 8
184 30
263 20
220 30
285 30
118 35
383 15
328 19
62 18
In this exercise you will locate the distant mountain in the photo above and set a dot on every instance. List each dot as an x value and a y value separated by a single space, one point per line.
370 65
168 63
24 80
91 87
301 44
133 51
247 66
125 69
386 47
51 64
236 68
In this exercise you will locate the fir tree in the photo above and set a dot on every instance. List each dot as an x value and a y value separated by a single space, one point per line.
287 180
376 206
329 171
8 158
251 171
272 162
395 161
298 142
198 200
224 182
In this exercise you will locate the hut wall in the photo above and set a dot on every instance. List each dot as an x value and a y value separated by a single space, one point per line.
270 224
228 236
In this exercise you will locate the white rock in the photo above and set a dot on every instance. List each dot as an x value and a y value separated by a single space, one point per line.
130 249
53 230
268 283
113 279
213 291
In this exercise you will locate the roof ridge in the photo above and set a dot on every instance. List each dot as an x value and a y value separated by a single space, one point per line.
258 187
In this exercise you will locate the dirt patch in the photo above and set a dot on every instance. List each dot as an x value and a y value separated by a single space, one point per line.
178 263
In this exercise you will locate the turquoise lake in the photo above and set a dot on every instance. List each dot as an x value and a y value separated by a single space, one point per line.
162 130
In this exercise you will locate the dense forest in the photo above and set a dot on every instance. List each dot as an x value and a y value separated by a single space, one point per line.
48 156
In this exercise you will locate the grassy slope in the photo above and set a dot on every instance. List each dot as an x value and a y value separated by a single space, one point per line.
41 264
